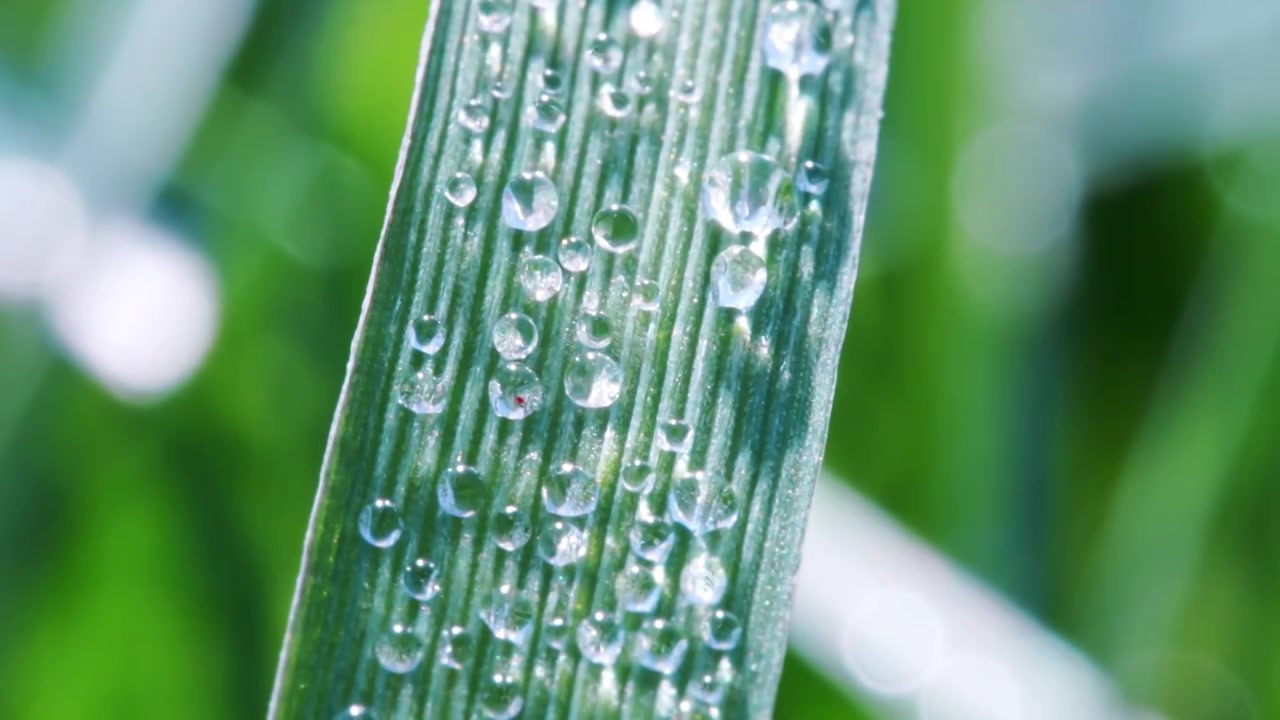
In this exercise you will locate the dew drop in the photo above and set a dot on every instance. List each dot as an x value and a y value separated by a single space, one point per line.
645 295
552 80
616 229
420 580
356 712
427 334
501 697
575 254
511 528
637 477
600 638
493 16
652 540
812 178
702 503
797 39
562 542
500 90
594 330
593 380
508 616
557 632
457 646
686 92
423 393
639 587
604 54
704 580
660 646
695 709
641 84
615 102
515 392
400 650
515 336
541 277
546 115
747 192
647 19
530 202
570 491
675 436
380 523
738 278
474 115
722 630
460 189
462 491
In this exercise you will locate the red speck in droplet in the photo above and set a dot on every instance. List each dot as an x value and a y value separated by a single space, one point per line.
520 400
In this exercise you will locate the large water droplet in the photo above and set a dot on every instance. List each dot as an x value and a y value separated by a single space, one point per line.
474 115
501 697
462 491
530 202
637 477
616 229
594 330
423 393
747 192
639 587
738 278
552 80
427 334
400 650
570 491
515 392
702 503
511 528
420 581
797 39
460 190
722 630
457 646
593 380
675 436
600 638
509 616
615 102
380 523
541 277
652 539
660 646
704 580
546 115
575 254
493 16
515 336
647 19
604 54
812 178
562 542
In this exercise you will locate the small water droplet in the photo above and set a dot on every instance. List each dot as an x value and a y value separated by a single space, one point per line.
600 638
647 19
515 336
675 436
400 649
738 278
575 254
703 580
615 102
423 393
493 16
557 632
594 330
686 92
812 178
695 709
703 503
501 697
457 646
500 90
562 542
541 277
616 229
747 192
380 523
552 80
462 491
645 295
722 630
604 54
530 202
652 540
511 528
427 334
639 587
637 477
546 115
515 391
570 491
681 171
593 380
460 189
797 39
508 616
660 646
420 580
474 115
641 84
356 712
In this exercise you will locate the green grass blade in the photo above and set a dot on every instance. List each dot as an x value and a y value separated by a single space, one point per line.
755 387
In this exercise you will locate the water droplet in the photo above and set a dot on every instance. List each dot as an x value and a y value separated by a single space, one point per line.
675 436
400 649
509 616
746 192
546 115
615 102
457 646
570 491
501 697
712 678
704 580
515 391
652 540
420 580
641 83
552 80
695 709
687 92
594 330
562 542
593 380
474 115
637 477
500 90
380 523
460 189
530 202
600 638
356 712
639 587
541 277
515 336
427 334
722 630
660 646
812 178
511 528
647 19
557 632
604 54
493 16
738 278
797 39
616 229
462 491
575 254
645 295
423 393
702 503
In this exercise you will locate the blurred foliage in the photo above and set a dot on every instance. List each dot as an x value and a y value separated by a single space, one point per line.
1092 430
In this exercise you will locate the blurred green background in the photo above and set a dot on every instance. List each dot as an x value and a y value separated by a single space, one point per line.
1060 371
